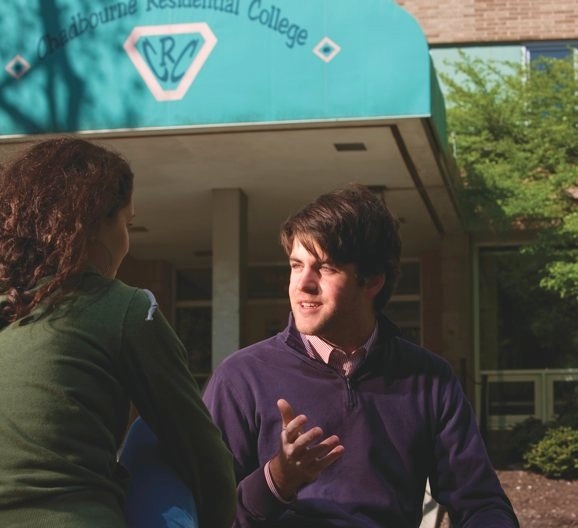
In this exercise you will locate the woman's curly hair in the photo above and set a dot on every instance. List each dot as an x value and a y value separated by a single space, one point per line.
53 197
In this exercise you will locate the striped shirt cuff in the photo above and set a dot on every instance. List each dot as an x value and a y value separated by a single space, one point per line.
272 485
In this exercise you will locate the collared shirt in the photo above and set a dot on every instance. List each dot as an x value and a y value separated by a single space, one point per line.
344 363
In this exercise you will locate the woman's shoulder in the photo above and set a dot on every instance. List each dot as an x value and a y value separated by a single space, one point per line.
118 295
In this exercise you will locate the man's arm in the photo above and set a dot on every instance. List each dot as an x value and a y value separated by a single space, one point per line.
463 478
233 410
265 488
303 455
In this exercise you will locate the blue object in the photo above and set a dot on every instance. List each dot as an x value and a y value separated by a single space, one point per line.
157 497
138 64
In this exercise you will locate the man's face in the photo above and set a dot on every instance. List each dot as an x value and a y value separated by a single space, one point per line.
327 299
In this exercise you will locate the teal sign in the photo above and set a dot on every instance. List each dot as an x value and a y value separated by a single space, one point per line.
79 65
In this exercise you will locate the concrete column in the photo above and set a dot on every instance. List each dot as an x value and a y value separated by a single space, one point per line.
229 211
457 317
432 301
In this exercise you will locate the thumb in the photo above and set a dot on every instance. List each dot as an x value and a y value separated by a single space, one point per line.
287 413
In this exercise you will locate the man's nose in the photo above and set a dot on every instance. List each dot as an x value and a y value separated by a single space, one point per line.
308 280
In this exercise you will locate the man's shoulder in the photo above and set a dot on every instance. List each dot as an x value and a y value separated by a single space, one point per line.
259 351
415 358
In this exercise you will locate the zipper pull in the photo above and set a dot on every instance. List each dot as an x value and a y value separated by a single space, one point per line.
351 399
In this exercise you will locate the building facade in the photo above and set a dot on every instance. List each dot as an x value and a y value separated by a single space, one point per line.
519 370
234 113
488 22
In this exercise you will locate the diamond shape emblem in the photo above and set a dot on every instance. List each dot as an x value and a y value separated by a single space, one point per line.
169 57
17 67
326 49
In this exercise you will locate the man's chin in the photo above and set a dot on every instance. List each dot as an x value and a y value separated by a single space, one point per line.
307 327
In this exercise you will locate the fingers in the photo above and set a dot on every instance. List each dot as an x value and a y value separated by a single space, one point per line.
307 463
304 454
287 413
306 448
311 451
325 453
296 442
329 447
292 426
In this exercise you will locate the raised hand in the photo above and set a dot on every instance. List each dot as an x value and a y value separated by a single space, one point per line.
303 454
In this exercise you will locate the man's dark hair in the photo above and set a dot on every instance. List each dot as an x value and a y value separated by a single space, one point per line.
351 226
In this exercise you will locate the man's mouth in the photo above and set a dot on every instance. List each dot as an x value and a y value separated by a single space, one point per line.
309 305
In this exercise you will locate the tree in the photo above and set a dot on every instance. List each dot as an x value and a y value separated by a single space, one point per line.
515 134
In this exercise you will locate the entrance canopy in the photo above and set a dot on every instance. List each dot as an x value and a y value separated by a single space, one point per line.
283 99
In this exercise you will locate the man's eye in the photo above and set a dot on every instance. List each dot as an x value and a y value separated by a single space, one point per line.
296 265
327 269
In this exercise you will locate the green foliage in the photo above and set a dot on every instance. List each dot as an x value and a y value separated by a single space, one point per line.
556 455
568 419
537 328
527 434
515 136
550 448
524 435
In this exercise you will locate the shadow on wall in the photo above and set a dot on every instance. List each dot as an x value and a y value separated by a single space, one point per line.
64 87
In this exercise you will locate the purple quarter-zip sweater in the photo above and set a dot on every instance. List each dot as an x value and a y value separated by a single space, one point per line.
402 417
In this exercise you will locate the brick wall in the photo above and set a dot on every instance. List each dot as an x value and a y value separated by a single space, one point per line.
470 21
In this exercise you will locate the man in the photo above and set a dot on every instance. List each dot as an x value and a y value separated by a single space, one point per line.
337 421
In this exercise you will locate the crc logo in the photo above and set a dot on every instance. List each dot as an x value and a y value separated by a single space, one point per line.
169 57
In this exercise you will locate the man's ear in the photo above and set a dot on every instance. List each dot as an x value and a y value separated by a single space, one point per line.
374 284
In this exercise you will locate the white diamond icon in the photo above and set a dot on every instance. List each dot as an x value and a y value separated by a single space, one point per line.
161 54
17 67
326 50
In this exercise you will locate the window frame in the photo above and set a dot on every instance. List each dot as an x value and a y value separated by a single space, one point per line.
549 49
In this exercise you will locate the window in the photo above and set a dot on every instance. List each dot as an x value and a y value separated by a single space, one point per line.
193 318
564 396
551 50
523 326
404 308
268 308
511 398
528 341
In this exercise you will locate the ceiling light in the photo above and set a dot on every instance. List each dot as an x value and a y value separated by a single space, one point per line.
349 147
378 190
137 229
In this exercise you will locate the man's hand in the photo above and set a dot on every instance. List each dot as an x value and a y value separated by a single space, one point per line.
303 455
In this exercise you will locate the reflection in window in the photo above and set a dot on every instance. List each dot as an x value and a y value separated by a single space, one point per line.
268 282
268 308
565 396
523 326
409 279
549 50
406 316
194 284
511 398
193 326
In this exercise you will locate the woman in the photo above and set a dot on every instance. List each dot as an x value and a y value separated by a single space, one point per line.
77 345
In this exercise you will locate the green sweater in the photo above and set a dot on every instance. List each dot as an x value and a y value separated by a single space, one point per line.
66 379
